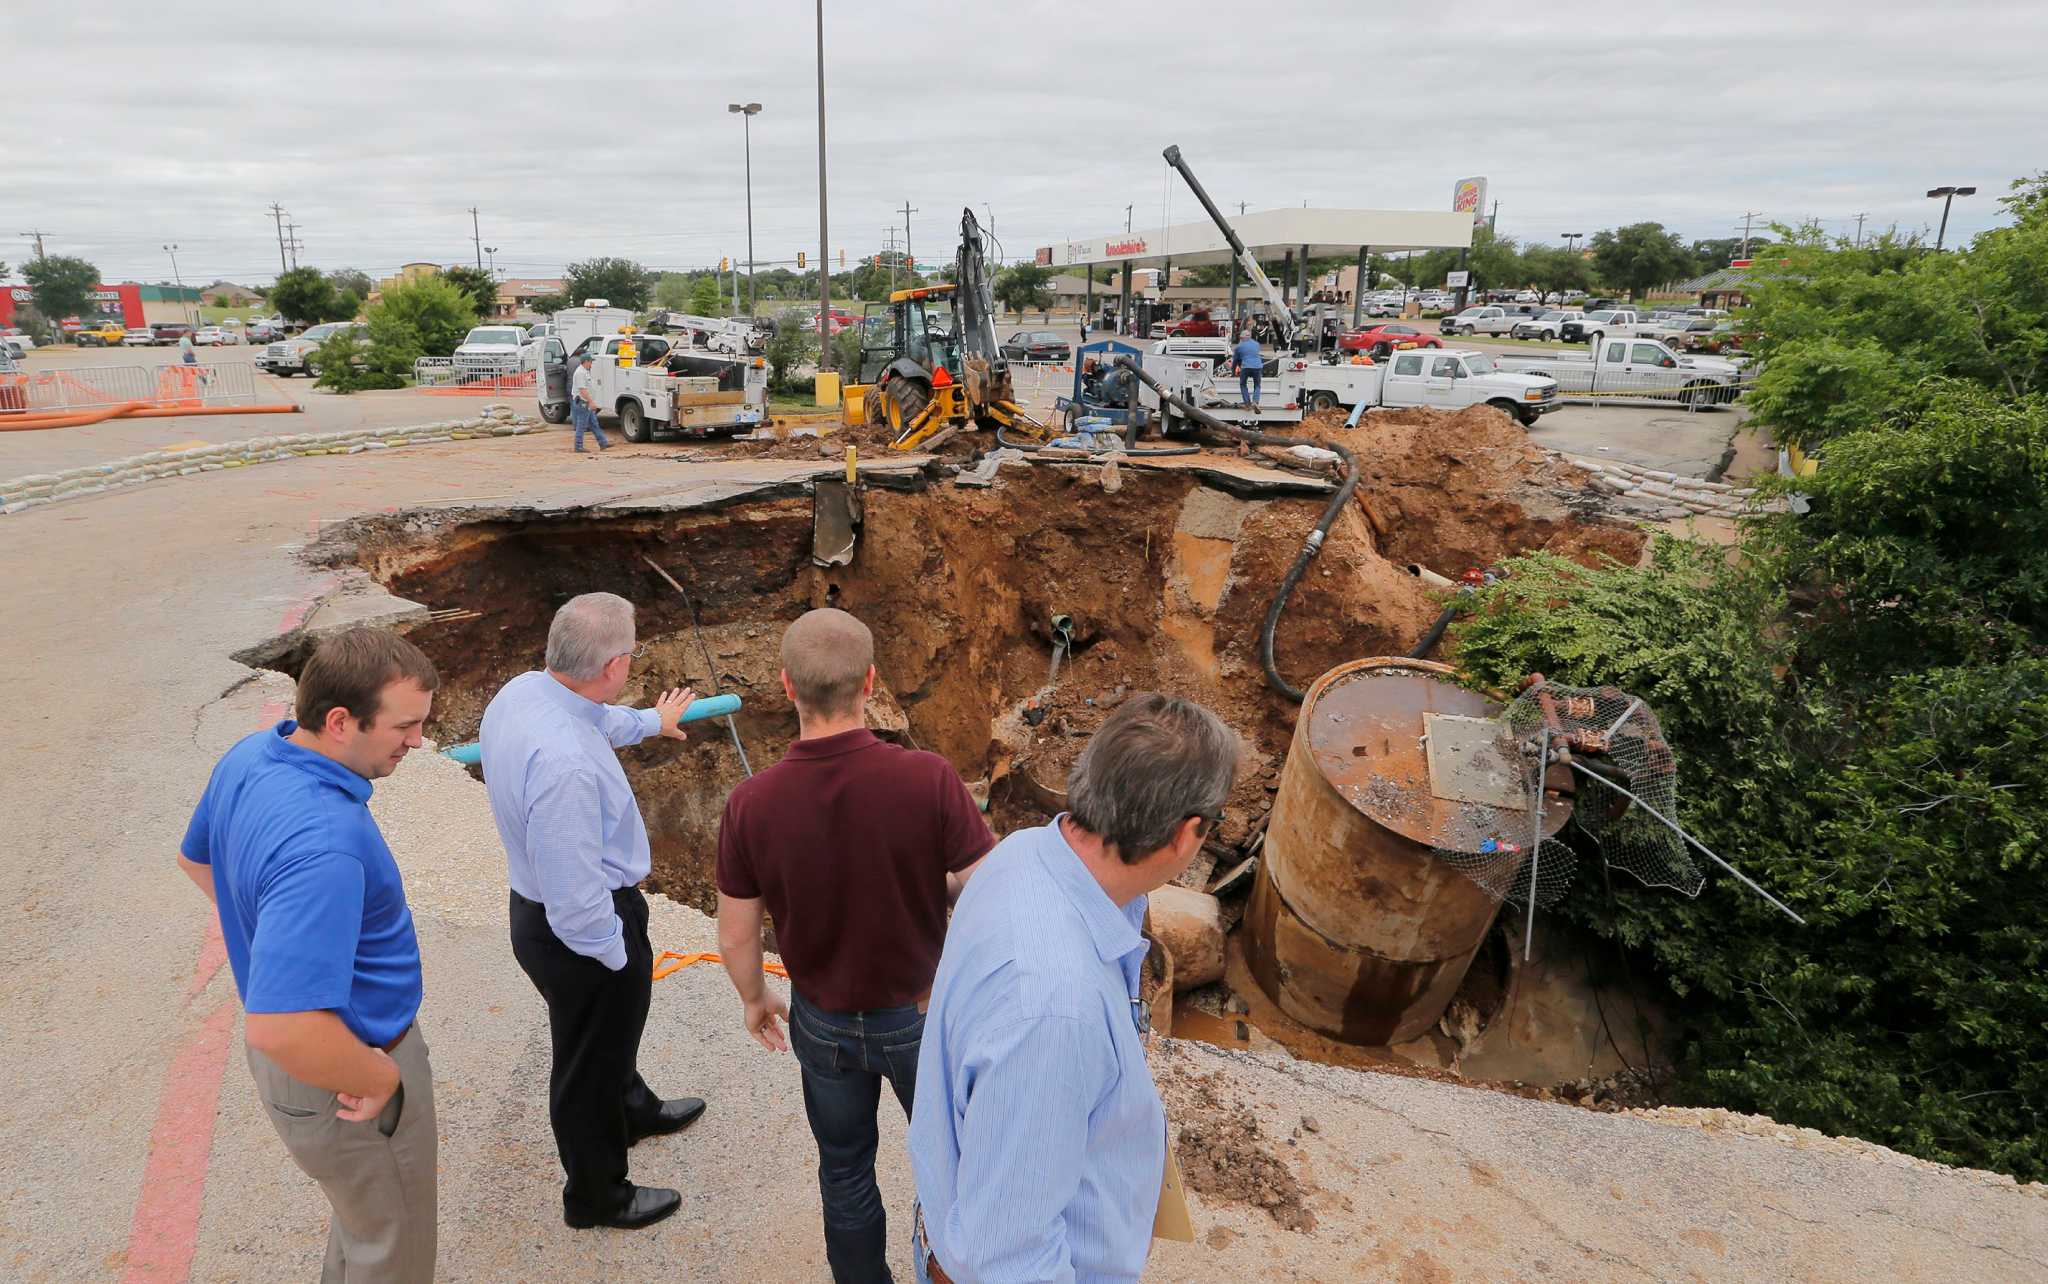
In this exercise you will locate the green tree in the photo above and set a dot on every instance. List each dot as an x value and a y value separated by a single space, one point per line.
306 296
338 362
477 284
549 304
672 291
1640 257
1554 270
61 285
705 298
394 345
1024 288
352 281
438 312
621 282
790 347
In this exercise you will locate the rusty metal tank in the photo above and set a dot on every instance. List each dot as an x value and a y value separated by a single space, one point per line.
1356 927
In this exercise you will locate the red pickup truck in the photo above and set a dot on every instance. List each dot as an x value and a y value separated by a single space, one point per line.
1197 325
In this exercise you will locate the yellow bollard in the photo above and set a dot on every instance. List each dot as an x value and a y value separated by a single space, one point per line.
852 454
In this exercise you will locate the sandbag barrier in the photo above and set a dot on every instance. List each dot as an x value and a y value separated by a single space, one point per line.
22 493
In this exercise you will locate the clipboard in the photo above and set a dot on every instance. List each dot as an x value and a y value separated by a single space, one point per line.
1172 1221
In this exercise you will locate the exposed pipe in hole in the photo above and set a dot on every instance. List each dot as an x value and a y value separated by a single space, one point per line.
710 664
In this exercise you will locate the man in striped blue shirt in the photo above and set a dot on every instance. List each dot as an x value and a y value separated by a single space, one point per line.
1038 1141
575 850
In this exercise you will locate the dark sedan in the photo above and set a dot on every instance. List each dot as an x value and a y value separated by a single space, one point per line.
1036 345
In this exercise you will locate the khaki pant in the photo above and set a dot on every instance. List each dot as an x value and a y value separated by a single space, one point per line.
378 1175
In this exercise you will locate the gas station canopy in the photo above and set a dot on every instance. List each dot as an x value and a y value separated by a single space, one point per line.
1269 234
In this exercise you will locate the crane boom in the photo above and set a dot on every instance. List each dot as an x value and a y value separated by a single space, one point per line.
1283 316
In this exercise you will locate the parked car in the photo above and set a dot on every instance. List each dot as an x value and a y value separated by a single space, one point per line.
1380 340
1639 369
1546 326
1036 345
260 332
1491 318
100 334
1528 296
495 349
140 337
1198 325
15 345
287 357
213 336
169 332
1726 335
1596 321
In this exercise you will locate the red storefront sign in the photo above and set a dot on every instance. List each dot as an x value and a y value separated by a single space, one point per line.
124 299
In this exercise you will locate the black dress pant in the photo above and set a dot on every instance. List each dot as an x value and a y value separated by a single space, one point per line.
597 1101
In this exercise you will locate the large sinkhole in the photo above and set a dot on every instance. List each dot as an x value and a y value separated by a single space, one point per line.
1163 582
1155 579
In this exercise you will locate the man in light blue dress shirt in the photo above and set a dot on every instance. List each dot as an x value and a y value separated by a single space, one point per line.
575 850
1038 1141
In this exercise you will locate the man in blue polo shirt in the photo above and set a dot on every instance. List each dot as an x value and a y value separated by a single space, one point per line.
321 942
1251 368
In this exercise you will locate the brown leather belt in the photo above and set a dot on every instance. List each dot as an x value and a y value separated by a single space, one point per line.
399 1038
932 1270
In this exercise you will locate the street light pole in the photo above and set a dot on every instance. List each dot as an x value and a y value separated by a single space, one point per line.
492 250
172 250
824 241
747 112
1571 240
1948 196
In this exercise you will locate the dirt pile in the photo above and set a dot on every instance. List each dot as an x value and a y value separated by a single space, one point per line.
1455 491
1223 1153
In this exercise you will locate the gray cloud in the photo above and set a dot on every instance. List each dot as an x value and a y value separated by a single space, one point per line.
580 130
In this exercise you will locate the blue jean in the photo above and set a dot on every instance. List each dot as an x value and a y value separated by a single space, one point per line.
1248 384
844 1057
583 417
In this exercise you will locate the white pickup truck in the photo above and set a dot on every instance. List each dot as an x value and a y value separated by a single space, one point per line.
1644 369
1443 378
667 390
494 350
1489 319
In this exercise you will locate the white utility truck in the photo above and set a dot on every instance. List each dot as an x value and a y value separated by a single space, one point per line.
1200 372
667 389
1644 369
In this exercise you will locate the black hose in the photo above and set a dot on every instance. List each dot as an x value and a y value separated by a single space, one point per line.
1314 543
1435 634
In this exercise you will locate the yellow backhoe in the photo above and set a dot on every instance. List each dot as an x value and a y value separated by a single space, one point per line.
929 357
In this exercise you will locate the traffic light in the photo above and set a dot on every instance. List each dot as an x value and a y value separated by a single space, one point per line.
725 265
799 258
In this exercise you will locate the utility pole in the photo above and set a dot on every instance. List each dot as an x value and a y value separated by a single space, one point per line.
37 237
1493 219
1859 228
1747 215
477 236
172 250
908 261
824 262
1127 218
890 249
1240 208
277 216
293 243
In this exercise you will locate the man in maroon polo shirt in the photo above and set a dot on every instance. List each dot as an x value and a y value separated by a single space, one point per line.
855 847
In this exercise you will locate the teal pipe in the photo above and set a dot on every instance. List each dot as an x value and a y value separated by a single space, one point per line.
718 706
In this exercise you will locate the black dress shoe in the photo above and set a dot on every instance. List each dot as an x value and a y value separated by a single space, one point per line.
644 1207
674 1116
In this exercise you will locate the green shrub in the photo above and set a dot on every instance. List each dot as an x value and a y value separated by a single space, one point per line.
339 360
791 347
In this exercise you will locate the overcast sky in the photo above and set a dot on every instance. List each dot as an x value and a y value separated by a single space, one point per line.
579 130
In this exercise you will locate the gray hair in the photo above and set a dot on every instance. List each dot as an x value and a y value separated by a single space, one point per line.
1155 762
589 632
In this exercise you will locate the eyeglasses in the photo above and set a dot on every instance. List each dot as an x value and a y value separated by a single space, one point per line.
638 651
1212 820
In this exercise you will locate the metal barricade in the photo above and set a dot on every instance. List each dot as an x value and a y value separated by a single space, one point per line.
441 375
167 386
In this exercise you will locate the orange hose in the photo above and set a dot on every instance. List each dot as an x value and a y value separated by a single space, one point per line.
130 410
